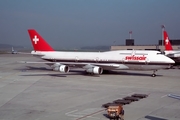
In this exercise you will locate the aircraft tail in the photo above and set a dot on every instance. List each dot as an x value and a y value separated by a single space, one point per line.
38 42
12 49
167 43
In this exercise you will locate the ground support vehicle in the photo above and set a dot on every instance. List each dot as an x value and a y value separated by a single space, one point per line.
115 112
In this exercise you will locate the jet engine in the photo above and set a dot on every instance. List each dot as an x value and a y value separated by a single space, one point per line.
61 68
95 70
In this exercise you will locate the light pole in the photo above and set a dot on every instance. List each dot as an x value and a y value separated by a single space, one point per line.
163 28
130 34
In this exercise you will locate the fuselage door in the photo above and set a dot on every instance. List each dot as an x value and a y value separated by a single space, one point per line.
133 52
76 59
147 61
123 60
97 59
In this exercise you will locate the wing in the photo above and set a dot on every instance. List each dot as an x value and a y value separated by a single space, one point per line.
82 65
174 96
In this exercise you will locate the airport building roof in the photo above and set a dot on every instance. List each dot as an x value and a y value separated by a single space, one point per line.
142 47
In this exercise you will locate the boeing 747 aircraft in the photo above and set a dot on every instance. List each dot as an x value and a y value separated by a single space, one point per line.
96 62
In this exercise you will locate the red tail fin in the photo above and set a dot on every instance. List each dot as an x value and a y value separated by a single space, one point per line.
167 43
38 42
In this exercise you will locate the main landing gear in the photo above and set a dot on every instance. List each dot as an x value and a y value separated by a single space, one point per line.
154 75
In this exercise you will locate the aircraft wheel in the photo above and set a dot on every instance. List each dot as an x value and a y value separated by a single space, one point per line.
153 75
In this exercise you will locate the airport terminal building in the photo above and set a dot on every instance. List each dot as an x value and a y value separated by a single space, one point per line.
129 45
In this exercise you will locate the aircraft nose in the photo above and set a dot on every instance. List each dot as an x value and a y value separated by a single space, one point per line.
171 60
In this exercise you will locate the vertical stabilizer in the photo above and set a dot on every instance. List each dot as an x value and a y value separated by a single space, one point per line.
38 42
167 43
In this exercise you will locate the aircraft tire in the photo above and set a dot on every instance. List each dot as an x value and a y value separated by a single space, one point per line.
153 75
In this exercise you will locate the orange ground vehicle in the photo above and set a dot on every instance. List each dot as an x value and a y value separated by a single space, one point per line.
115 112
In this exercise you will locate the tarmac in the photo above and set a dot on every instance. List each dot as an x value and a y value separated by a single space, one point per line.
35 92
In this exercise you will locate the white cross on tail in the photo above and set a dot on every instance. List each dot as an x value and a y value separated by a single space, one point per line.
35 39
167 40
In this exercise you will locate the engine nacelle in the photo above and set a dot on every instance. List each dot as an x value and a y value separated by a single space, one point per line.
95 70
61 68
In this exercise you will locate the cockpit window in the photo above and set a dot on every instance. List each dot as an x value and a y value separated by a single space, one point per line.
159 53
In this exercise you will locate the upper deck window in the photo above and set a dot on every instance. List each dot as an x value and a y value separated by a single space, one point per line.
141 54
125 53
134 53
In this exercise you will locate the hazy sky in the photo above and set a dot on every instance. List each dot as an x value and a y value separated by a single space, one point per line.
75 23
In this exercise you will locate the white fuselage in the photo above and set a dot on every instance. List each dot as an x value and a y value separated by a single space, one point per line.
172 53
122 59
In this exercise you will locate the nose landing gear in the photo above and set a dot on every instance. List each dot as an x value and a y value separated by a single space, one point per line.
154 73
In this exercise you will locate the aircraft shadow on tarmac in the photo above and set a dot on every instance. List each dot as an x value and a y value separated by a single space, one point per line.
106 116
53 75
154 118
128 73
78 72
147 117
32 68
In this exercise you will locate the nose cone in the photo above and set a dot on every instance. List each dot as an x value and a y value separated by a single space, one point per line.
171 61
